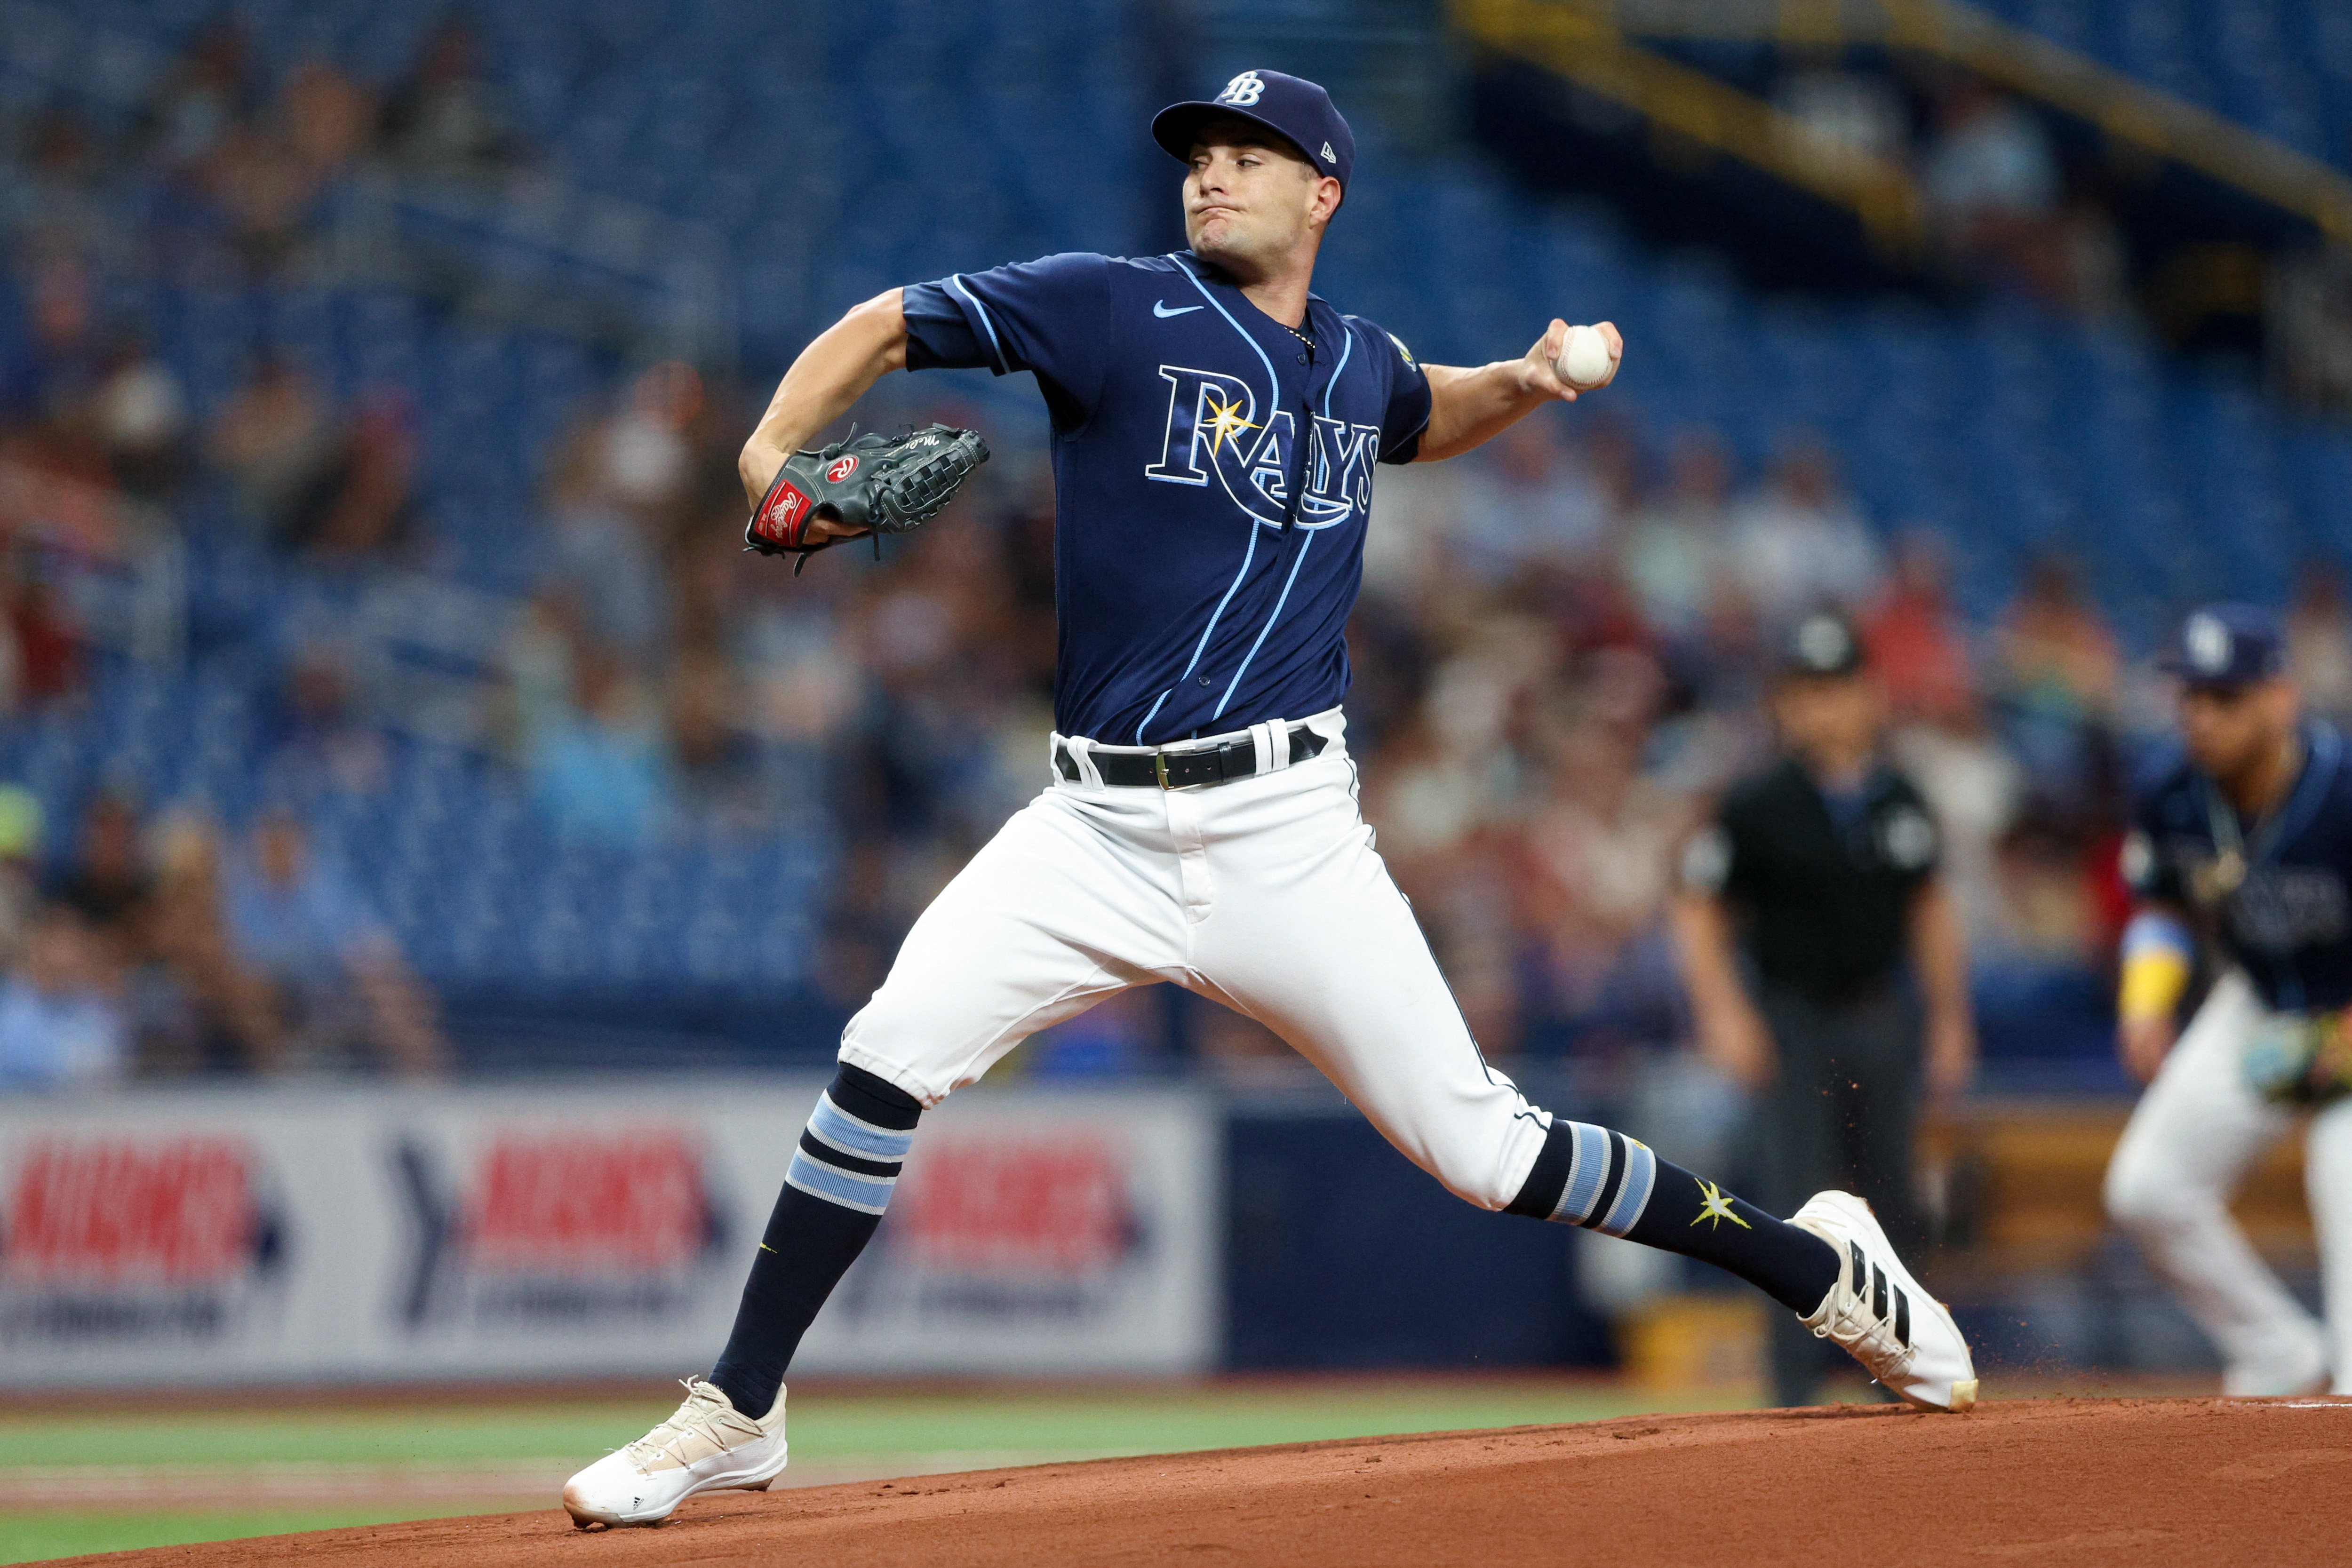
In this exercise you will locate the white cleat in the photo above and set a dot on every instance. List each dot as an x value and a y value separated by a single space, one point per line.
2277 1377
707 1446
1877 1313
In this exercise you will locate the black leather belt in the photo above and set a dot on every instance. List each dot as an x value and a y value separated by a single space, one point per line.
1184 769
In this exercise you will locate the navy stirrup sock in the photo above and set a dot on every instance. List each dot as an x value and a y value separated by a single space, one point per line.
1608 1181
834 1192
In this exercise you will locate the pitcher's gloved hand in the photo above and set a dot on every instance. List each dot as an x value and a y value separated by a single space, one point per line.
872 484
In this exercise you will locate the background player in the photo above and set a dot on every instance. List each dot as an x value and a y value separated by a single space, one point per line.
2242 838
1214 430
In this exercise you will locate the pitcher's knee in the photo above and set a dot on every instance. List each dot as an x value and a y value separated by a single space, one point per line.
924 1088
1475 1180
1467 1162
1484 1165
921 1041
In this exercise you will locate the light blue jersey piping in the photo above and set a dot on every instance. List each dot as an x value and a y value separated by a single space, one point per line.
955 281
1305 455
1274 398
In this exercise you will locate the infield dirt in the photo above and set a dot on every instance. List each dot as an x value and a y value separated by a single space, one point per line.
2153 1482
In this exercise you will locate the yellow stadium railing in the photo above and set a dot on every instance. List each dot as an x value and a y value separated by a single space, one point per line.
1583 43
1598 44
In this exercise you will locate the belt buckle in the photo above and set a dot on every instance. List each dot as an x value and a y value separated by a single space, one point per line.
1160 770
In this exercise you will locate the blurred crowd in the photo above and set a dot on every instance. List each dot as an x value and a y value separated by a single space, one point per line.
220 182
2009 207
159 948
1559 654
2004 209
137 940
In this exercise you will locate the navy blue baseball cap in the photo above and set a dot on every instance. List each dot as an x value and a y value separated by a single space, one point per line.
1291 107
2224 646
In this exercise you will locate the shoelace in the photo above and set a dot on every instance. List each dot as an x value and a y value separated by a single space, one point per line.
680 1426
1870 1329
1876 1332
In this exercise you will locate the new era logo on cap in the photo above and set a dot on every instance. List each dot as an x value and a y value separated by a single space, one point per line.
1329 156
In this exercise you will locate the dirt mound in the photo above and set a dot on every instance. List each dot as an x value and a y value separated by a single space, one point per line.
2150 1482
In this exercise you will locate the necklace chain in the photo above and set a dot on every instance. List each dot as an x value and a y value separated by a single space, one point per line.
1297 334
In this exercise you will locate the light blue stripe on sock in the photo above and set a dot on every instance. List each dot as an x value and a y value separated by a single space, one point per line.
833 1125
851 1189
1633 1195
1586 1174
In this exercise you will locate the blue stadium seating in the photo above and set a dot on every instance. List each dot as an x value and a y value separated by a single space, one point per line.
2282 67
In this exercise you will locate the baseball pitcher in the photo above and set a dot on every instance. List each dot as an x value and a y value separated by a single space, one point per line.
1215 430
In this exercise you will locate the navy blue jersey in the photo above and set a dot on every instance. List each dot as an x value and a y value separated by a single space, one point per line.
1205 557
2274 892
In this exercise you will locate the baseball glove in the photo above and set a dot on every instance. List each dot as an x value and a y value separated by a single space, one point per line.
876 484
2297 1059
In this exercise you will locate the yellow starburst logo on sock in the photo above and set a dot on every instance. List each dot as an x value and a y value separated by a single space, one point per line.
1717 1208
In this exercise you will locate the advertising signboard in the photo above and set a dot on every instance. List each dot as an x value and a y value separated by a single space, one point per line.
382 1232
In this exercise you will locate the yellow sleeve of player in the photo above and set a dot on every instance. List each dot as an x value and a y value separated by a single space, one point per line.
2158 956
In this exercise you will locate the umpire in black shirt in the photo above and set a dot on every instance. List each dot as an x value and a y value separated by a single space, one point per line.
1824 963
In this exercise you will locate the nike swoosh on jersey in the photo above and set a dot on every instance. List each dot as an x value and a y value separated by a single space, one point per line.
1159 308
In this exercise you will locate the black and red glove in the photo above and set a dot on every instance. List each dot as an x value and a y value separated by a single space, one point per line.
875 484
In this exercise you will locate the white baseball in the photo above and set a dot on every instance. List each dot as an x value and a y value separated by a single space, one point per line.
1583 361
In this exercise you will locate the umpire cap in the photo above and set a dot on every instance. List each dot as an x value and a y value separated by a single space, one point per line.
1291 107
2221 646
1822 646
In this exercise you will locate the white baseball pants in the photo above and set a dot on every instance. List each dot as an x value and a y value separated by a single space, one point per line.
1265 894
2190 1142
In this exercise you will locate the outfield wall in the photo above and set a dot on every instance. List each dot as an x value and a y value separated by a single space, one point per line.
382 1232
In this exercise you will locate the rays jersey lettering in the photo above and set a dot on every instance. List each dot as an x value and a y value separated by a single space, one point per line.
2280 910
1213 429
2283 914
1213 479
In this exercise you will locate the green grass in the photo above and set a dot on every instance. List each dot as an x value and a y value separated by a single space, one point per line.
422 1433
887 1430
33 1537
825 1427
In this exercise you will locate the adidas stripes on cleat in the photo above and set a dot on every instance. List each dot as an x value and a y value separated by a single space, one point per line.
1877 1313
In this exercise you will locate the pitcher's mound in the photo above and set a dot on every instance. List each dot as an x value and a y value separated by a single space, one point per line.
2144 1482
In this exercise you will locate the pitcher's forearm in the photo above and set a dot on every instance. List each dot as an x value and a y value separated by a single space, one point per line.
830 374
1468 407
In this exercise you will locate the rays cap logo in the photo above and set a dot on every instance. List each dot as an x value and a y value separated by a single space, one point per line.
2221 646
1294 109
